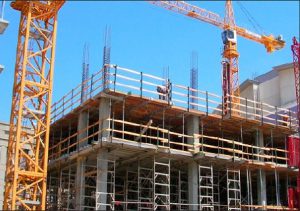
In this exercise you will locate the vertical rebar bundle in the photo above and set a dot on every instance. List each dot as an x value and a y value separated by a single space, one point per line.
106 56
194 79
85 73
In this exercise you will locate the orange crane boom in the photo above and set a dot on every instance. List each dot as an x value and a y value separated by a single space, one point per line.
230 79
27 158
269 41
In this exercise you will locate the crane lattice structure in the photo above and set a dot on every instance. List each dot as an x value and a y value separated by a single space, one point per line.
230 79
296 53
27 159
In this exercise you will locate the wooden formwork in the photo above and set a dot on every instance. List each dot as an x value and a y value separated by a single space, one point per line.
142 124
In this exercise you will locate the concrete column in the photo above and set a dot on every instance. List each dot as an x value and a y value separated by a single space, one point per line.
259 141
102 156
193 185
261 174
79 184
83 122
261 187
277 185
104 113
101 187
192 125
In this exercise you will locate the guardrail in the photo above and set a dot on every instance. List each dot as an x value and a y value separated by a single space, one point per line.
141 84
227 148
73 99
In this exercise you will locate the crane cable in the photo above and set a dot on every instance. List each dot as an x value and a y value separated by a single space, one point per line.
257 27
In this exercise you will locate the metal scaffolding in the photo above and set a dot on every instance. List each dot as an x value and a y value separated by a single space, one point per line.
132 190
161 180
148 139
145 186
52 192
67 190
233 189
178 190
90 182
120 192
206 187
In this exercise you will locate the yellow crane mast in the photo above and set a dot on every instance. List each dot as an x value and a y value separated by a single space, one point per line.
27 158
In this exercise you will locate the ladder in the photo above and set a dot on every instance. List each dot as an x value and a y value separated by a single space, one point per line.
179 189
52 192
132 191
67 188
145 188
161 179
90 183
233 189
206 188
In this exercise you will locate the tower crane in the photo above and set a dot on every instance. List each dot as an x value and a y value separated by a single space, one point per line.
27 155
230 80
27 158
296 54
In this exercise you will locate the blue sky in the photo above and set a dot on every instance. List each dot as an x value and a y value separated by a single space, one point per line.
147 38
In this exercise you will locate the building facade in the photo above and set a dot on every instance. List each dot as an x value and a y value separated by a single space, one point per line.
276 87
126 147
4 133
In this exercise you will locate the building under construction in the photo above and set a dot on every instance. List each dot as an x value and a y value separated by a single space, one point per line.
128 146
127 140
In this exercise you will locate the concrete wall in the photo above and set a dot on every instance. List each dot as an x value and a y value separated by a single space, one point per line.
248 92
4 132
4 135
269 92
276 87
287 86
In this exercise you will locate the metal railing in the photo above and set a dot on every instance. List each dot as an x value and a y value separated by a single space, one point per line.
226 148
131 82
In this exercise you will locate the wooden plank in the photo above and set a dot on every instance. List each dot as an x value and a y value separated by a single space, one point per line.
144 130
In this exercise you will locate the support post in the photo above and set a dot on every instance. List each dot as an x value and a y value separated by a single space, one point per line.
193 185
249 188
83 122
277 188
192 126
102 156
79 183
101 186
104 115
261 174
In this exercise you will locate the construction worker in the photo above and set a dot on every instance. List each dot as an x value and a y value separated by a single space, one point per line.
164 91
